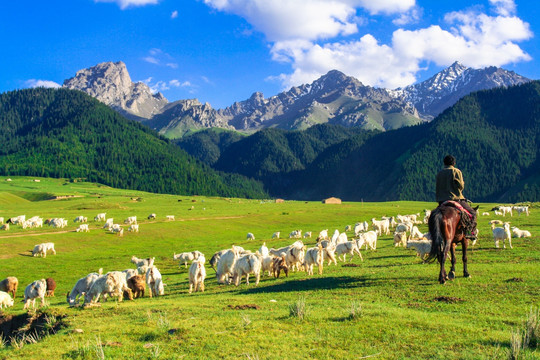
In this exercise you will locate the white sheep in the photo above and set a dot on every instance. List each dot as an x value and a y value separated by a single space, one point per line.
141 262
152 216
100 217
485 213
4 227
323 234
276 235
41 249
368 239
81 288
423 247
169 217
314 256
295 234
307 235
5 300
113 283
197 274
215 258
329 251
502 234
522 209
154 281
245 265
499 213
381 226
294 254
225 265
83 228
400 238
134 228
348 228
263 250
81 218
250 236
416 234
360 227
35 290
108 224
131 220
505 210
520 233
186 257
267 263
348 247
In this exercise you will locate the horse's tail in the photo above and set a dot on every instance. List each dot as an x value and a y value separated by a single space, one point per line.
437 245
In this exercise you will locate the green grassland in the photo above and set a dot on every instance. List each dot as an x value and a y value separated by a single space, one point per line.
401 310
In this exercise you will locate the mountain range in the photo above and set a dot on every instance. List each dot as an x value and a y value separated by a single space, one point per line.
334 98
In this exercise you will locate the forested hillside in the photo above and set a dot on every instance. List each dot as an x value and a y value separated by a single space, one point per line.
66 133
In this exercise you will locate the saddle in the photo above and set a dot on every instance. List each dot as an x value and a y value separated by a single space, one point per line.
458 206
467 222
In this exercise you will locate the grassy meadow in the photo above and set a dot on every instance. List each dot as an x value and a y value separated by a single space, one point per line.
388 306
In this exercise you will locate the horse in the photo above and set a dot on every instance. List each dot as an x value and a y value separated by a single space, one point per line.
447 230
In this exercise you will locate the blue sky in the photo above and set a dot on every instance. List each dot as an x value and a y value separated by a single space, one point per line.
221 51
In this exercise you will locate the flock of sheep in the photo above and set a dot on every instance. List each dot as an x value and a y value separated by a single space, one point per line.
232 264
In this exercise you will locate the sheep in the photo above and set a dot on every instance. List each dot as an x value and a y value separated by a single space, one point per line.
134 228
108 224
279 263
185 257
113 283
137 285
485 213
154 282
314 255
80 218
130 273
51 286
329 250
400 238
323 235
141 262
117 229
335 236
33 291
41 249
404 227
267 263
131 220
369 239
502 234
250 236
499 213
380 226
1 220
295 234
4 227
83 228
245 265
58 223
342 238
348 228
215 258
294 254
152 216
197 274
348 247
263 250
307 234
16 220
522 209
5 300
520 233
9 285
415 233
225 264
100 217
495 222
505 210
276 235
82 286
360 227
169 217
422 247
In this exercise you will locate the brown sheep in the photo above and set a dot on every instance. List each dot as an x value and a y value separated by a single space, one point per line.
9 285
51 286
137 284
280 264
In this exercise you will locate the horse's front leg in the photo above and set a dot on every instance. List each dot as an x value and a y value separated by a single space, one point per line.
452 274
464 249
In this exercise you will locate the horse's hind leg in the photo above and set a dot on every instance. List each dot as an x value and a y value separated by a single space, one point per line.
464 249
452 274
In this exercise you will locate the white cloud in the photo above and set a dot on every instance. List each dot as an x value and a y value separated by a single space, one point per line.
178 83
174 14
161 58
34 83
124 4
504 7
151 60
410 17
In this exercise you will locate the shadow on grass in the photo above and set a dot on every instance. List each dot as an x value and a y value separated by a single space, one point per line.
324 283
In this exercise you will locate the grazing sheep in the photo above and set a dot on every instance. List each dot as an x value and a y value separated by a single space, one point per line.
81 219
520 233
5 300
33 291
502 234
400 238
485 213
100 217
245 265
9 285
381 226
348 228
276 235
108 224
369 239
295 234
267 264
505 210
83 228
294 254
134 228
215 258
197 274
416 234
4 227
329 251
250 236
323 234
314 255
307 234
137 285
225 265
278 264
39 249
154 282
348 247
522 209
82 286
152 216
423 247
113 283
51 286
141 262
360 227
131 220
170 217
499 213
186 257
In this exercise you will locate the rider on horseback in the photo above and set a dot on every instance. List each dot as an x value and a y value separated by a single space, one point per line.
450 185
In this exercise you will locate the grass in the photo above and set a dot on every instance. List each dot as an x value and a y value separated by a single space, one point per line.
388 306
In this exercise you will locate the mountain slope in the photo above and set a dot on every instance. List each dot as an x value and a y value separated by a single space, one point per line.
65 133
494 134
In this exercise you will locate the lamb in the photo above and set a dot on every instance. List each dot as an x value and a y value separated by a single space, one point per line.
225 265
369 239
141 262
152 216
100 217
279 263
134 228
9 285
5 300
83 228
33 291
502 234
137 285
82 286
348 247
245 265
520 233
113 283
154 282
51 286
400 238
197 274
250 236
423 247
314 255
276 235
131 220
185 257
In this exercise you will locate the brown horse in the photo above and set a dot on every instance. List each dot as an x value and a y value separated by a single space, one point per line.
446 229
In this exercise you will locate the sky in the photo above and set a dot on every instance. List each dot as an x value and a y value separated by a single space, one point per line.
222 51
